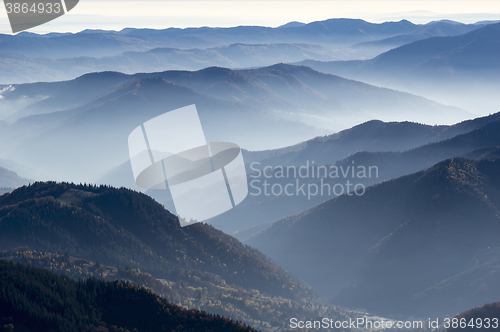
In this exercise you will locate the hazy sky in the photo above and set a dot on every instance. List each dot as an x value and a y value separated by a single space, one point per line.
116 15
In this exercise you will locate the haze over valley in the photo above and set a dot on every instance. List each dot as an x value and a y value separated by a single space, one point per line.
372 160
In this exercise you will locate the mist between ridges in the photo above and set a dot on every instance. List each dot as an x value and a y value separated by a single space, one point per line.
310 180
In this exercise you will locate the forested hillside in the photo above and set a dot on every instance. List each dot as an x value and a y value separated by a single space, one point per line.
37 300
83 230
258 310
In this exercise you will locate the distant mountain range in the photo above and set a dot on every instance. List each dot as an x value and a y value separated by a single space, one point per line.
458 70
396 149
9 179
423 244
15 68
28 57
257 108
394 164
99 43
371 136
442 28
473 51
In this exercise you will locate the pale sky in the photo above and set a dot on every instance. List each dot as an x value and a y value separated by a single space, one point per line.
116 15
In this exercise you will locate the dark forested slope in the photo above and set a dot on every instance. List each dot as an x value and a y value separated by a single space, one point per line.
37 300
122 227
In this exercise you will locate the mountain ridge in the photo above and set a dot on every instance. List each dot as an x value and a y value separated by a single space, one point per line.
10 179
393 148
276 105
457 70
412 233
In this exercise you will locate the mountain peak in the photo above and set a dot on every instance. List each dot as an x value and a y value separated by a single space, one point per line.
293 24
215 71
